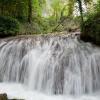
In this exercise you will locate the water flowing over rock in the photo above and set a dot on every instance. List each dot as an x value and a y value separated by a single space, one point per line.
51 64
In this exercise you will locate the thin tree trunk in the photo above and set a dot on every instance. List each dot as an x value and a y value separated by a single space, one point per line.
2 12
81 12
29 11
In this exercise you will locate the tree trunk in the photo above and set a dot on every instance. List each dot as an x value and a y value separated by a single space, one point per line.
81 12
1 8
29 11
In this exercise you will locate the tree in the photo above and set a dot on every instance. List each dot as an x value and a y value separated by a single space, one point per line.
13 8
70 7
29 11
57 9
81 10
88 3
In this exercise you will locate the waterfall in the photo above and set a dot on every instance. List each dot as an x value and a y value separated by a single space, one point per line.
51 64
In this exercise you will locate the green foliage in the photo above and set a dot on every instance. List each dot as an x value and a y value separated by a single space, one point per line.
91 29
69 24
8 26
97 6
38 6
56 6
33 10
91 26
14 8
42 16
39 25
70 7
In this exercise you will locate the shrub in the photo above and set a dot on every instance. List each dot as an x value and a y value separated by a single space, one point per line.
8 26
91 26
91 29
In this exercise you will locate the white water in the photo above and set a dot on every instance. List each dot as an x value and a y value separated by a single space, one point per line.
49 68
20 92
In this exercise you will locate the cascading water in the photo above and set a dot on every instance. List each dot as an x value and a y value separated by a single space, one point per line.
56 65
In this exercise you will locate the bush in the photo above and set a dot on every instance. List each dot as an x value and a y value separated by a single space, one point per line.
91 26
91 29
8 26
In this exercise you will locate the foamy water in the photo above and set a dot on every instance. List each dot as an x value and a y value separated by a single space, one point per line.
21 92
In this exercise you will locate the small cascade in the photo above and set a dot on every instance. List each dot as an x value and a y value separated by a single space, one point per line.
52 65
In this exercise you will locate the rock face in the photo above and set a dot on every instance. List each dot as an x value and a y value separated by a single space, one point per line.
3 96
